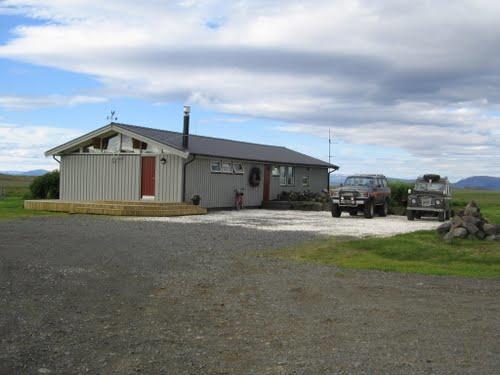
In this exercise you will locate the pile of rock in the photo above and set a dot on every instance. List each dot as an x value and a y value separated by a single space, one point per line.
469 223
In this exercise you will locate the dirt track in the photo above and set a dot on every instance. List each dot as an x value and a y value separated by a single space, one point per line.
102 295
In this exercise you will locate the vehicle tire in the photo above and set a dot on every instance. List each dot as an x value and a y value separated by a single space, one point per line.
410 215
336 211
369 209
442 216
353 212
384 209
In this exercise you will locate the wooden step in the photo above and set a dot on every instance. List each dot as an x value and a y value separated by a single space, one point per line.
117 208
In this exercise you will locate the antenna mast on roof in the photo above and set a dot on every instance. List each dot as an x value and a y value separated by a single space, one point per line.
112 116
329 146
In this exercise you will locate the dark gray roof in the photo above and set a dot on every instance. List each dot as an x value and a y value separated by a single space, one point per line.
225 148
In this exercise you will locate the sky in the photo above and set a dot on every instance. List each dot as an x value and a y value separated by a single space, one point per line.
405 87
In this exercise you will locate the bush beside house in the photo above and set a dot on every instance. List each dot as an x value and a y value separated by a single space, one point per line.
45 186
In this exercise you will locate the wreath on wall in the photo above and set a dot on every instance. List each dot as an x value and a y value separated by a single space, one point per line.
254 178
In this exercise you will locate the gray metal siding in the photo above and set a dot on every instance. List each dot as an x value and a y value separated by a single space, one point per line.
107 177
168 185
217 189
100 177
318 180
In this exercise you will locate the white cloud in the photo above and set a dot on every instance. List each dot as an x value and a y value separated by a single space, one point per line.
18 103
21 147
421 77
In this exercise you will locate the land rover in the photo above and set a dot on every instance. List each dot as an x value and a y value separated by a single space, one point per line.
431 196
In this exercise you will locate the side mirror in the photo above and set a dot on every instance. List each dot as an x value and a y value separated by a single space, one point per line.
409 191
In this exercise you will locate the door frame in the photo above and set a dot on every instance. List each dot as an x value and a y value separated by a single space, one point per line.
148 197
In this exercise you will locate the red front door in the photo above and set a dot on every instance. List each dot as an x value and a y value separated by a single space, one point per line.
148 176
267 182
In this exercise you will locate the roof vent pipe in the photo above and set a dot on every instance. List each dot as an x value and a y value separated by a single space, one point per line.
185 133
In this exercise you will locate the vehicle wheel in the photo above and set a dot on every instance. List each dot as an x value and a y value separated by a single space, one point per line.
353 212
384 209
442 216
410 215
369 209
336 211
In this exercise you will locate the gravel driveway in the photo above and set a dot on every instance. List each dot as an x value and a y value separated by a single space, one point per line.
87 294
314 222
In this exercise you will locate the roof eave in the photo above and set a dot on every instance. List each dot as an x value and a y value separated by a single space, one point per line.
110 127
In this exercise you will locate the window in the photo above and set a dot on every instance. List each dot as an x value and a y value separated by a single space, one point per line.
238 168
227 167
215 166
127 144
287 176
305 181
275 171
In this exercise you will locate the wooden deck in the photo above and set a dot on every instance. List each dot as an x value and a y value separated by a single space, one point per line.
116 208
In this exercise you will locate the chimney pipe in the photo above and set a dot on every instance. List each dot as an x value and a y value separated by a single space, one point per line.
185 133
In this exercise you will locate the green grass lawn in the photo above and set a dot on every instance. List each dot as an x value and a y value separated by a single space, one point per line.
488 201
419 252
16 188
11 207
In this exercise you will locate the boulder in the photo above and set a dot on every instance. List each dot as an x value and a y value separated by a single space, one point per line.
493 238
471 228
457 221
480 235
491 229
444 228
472 209
471 220
459 232
460 213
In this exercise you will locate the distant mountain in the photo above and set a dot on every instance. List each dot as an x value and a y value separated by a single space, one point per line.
337 179
34 172
479 182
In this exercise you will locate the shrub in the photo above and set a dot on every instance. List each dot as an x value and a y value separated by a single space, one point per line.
399 193
46 186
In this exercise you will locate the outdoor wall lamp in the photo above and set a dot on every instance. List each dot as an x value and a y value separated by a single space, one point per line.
163 160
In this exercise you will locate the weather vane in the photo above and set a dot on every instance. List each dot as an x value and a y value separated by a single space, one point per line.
112 116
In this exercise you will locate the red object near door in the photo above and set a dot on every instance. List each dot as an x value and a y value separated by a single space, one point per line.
148 176
267 182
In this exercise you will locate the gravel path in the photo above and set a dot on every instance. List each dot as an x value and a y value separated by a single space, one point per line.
304 221
84 294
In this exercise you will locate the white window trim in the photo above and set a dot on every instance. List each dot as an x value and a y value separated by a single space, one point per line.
220 166
230 170
286 175
242 171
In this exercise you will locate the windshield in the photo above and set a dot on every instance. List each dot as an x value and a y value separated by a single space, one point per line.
429 186
359 181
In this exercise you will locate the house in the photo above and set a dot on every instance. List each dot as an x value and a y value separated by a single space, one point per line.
127 162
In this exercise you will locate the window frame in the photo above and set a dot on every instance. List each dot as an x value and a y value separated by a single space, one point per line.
212 163
307 179
240 171
285 178
228 170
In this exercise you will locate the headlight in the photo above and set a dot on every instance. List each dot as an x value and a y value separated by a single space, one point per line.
438 202
413 201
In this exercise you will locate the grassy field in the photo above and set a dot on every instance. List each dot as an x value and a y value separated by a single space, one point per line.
16 188
488 201
418 252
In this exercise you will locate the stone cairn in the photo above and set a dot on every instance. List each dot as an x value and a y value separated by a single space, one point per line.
469 223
